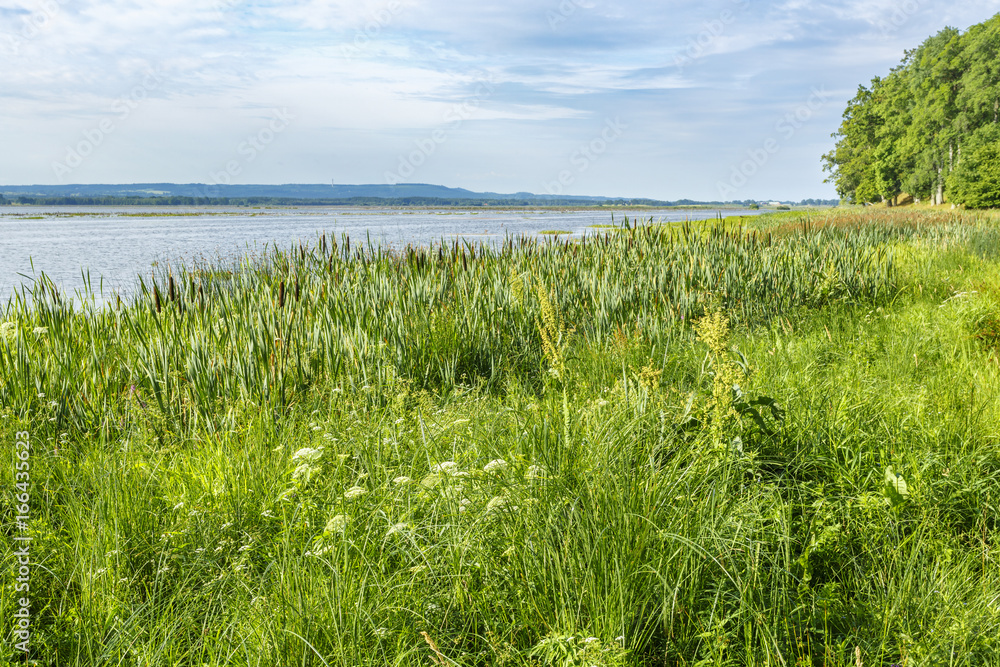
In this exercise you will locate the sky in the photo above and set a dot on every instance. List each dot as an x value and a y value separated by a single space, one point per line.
718 100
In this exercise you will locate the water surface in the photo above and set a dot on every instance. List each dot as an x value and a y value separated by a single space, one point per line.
114 245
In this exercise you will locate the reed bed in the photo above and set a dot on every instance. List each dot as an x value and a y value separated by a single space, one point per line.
666 445
270 328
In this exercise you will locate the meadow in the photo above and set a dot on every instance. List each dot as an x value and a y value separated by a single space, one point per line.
769 441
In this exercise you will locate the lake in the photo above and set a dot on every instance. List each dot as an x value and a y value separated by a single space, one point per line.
117 244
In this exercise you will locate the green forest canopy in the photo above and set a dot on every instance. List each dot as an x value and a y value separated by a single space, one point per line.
928 129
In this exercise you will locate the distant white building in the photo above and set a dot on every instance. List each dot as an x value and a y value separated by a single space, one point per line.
774 203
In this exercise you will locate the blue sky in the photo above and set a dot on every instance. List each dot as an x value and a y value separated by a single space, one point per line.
728 99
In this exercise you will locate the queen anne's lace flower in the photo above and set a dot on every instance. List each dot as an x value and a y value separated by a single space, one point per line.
496 504
445 468
337 524
536 472
303 473
354 492
496 465
307 454
398 529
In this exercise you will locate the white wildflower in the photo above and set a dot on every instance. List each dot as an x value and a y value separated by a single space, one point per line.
496 465
445 468
337 524
8 330
536 472
40 331
355 492
303 473
179 505
398 529
496 504
308 454
402 480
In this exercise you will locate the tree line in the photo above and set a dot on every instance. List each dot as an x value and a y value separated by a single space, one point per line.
929 129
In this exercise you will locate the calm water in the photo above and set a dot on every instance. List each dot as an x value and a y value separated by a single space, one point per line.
116 244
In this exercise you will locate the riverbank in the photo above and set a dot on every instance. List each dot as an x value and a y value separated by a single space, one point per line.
701 443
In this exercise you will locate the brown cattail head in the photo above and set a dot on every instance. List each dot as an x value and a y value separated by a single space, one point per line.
281 294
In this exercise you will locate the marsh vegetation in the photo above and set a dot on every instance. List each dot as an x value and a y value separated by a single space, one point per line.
759 442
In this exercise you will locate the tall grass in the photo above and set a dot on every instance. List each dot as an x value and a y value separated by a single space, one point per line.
524 455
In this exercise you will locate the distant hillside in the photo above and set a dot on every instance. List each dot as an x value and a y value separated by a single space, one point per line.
290 191
404 194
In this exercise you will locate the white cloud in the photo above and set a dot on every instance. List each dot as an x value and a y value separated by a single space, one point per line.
366 78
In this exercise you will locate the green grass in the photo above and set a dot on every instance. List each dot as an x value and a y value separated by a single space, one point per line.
525 453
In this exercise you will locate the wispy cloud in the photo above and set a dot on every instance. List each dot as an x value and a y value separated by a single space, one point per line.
698 85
